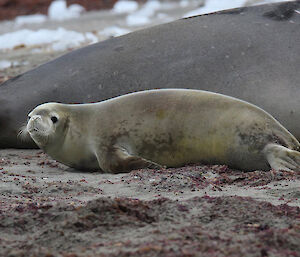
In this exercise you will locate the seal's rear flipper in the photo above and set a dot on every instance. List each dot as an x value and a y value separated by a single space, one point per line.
282 158
121 161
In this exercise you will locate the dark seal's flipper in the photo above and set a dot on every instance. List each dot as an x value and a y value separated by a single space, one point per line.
250 53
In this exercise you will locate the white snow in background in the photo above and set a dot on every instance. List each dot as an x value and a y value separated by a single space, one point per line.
184 3
164 17
57 40
137 15
137 20
4 64
58 10
216 5
274 1
125 6
143 15
114 31
28 19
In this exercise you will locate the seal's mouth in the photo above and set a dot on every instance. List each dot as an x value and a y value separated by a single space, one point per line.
35 125
31 128
35 131
38 134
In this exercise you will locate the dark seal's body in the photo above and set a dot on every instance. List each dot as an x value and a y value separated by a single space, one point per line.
250 53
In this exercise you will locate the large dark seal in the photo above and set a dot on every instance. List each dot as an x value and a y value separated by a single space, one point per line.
250 53
167 127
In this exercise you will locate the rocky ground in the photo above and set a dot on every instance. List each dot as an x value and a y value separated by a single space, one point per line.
48 209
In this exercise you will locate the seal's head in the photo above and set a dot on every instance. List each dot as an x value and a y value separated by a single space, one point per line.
47 125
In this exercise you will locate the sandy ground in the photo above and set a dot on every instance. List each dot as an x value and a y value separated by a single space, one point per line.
48 209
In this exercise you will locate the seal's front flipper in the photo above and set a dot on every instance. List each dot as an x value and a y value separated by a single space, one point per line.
129 162
282 158
121 161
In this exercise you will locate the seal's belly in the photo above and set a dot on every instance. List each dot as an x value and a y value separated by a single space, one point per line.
174 148
173 151
209 150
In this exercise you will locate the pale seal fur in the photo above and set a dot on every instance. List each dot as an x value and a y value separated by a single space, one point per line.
168 127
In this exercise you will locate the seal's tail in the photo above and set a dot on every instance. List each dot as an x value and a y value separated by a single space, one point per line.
282 158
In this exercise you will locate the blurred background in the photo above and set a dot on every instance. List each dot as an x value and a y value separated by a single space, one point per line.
35 31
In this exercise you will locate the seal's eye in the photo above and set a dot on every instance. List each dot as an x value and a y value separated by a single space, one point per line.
54 119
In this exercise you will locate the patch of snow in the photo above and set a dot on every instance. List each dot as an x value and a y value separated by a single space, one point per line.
29 19
76 9
150 7
184 3
75 39
36 50
168 5
272 1
211 6
142 16
114 31
91 38
59 39
137 20
4 64
216 5
125 6
163 16
58 10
